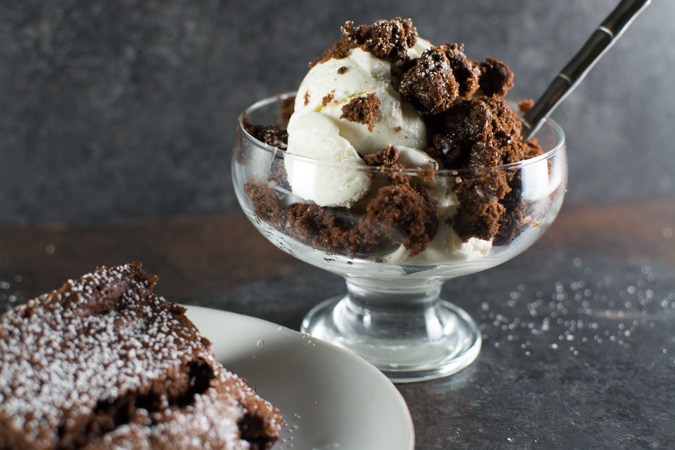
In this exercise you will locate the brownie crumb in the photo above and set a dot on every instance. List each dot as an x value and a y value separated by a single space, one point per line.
342 70
362 110
384 158
525 105
328 98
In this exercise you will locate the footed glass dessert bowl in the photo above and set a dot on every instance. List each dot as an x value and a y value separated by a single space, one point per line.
406 232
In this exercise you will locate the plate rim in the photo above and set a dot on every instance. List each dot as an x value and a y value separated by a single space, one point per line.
195 312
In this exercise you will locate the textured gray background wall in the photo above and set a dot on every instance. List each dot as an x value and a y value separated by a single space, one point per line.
113 110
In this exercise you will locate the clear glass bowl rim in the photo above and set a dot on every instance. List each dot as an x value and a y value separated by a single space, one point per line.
555 128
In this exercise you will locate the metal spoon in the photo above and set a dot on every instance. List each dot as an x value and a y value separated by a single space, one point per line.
609 31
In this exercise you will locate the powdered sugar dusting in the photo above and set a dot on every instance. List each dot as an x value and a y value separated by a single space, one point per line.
576 316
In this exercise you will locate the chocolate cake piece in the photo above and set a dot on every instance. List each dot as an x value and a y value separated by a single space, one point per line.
103 362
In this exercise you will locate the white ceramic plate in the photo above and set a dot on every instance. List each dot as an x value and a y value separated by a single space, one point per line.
330 398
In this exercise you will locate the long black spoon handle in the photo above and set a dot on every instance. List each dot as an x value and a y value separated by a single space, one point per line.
576 69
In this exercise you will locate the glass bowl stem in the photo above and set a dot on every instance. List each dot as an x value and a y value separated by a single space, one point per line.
406 330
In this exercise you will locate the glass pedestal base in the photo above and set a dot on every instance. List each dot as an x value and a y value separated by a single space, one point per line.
407 332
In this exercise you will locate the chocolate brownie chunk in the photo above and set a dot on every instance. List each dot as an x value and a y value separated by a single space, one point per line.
386 39
466 71
438 78
406 213
103 362
430 84
274 135
389 39
460 132
480 207
330 229
495 78
481 132
362 110
515 217
266 203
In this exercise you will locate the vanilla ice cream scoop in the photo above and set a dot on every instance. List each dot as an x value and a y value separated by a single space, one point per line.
332 183
346 108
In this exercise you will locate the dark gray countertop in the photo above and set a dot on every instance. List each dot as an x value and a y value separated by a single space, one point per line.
117 123
579 331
